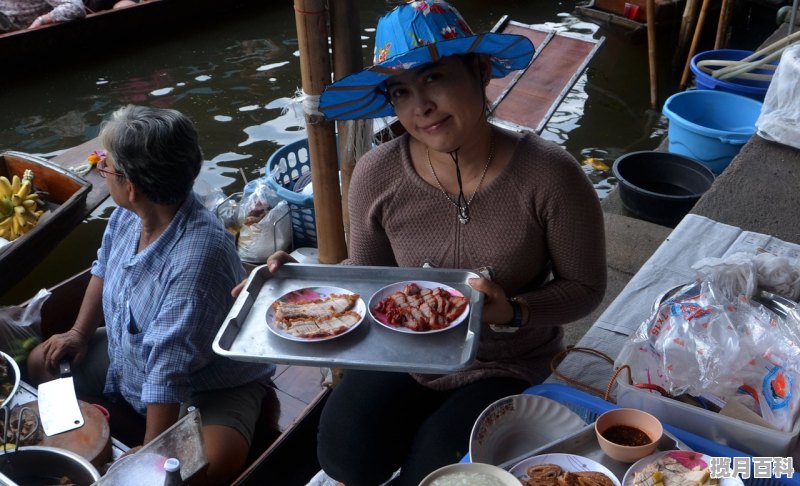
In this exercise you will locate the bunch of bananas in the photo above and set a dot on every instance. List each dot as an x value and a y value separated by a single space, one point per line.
19 206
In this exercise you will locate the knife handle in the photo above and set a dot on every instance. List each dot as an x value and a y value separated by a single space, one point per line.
64 369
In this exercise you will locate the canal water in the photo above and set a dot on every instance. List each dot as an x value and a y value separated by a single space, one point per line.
237 80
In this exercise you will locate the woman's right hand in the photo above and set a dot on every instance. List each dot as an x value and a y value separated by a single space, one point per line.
274 262
71 344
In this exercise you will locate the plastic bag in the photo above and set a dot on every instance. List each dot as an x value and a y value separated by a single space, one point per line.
265 223
702 343
780 114
210 197
20 327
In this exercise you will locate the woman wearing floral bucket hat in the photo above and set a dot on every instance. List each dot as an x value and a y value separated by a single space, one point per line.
456 192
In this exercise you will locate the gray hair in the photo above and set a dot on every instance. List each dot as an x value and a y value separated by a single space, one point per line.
157 150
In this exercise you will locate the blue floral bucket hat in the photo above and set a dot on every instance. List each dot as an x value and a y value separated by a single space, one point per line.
409 36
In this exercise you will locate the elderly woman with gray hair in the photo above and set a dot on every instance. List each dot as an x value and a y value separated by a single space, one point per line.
161 285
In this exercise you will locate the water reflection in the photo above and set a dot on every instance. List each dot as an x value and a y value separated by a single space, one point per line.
238 83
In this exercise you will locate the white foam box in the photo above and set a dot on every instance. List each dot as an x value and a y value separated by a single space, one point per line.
738 434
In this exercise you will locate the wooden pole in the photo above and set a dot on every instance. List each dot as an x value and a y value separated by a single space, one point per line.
695 40
687 23
346 39
722 26
651 51
315 71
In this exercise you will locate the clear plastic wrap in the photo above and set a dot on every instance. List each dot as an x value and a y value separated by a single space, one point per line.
780 114
20 328
711 340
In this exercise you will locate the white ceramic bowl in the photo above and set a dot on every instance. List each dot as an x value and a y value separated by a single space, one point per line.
470 474
515 425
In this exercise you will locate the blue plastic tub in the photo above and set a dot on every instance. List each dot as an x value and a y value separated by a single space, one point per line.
710 126
745 87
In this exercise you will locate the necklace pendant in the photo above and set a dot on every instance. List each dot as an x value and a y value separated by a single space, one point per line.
463 215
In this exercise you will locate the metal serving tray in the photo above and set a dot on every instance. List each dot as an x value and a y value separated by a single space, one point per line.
244 335
584 443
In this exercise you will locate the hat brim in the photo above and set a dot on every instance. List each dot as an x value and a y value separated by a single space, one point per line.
360 95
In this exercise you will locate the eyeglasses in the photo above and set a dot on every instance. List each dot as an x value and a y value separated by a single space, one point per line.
103 170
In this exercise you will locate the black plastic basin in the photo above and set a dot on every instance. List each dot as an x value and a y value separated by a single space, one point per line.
660 187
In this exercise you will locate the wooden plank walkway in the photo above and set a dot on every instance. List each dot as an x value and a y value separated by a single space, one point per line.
529 98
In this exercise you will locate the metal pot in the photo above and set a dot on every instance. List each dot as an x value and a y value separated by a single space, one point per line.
13 371
38 465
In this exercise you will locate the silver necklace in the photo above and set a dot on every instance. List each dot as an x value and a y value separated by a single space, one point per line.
461 204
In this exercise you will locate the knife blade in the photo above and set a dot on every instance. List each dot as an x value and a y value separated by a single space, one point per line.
59 410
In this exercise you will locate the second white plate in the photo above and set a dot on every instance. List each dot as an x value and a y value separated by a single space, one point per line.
567 462
381 294
515 425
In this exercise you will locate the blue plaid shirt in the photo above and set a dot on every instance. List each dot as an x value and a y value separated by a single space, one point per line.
164 306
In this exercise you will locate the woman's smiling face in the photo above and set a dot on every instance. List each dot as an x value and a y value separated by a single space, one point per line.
441 103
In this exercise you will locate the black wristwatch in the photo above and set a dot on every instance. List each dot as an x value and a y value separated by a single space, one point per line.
515 323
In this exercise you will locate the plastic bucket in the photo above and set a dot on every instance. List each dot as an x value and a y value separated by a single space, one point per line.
710 126
745 87
660 187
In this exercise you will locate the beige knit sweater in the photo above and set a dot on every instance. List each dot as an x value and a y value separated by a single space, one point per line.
540 215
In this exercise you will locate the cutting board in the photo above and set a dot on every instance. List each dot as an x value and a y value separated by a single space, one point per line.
92 440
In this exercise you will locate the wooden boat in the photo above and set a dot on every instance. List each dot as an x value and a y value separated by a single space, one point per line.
631 17
289 414
104 32
64 195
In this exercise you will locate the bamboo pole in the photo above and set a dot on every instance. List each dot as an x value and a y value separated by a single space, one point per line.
315 71
722 26
651 52
687 23
695 40
346 39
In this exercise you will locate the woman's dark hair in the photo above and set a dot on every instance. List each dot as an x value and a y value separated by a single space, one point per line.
157 150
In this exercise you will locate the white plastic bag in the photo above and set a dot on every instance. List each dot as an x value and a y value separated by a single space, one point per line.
780 113
259 240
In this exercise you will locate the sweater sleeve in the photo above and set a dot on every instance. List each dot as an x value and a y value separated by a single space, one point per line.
570 212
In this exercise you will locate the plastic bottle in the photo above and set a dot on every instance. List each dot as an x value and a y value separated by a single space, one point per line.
172 470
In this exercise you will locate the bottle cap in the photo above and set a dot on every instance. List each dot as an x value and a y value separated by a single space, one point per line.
172 464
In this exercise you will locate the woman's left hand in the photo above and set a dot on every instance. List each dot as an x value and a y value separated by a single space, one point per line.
496 308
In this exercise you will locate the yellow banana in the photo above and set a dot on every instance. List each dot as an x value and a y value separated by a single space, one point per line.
5 187
24 189
15 183
14 226
29 203
6 223
3 233
16 200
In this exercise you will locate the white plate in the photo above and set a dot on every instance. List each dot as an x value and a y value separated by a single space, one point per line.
568 462
516 425
694 456
381 294
310 293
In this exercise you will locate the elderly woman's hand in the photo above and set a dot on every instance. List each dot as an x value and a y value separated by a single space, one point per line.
71 344
274 262
496 308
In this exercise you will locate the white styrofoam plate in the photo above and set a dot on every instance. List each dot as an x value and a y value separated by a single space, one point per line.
515 425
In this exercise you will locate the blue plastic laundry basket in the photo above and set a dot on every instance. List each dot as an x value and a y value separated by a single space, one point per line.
294 161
